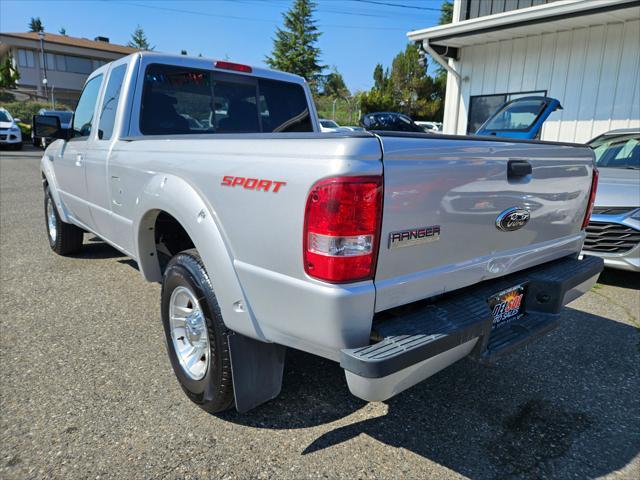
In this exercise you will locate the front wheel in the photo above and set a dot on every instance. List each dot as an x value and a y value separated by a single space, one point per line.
196 335
64 238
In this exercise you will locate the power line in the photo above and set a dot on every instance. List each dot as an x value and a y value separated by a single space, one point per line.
399 5
234 17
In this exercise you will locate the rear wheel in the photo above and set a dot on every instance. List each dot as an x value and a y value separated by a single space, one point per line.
64 238
196 335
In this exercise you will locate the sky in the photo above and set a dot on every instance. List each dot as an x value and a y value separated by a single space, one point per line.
356 34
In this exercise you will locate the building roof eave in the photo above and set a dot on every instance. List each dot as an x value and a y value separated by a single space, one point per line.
517 23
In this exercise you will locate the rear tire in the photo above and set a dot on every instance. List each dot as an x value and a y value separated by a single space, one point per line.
64 238
193 323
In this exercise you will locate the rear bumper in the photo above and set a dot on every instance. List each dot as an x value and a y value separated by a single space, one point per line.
423 338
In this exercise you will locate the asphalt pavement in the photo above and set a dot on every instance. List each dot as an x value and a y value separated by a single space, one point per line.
87 390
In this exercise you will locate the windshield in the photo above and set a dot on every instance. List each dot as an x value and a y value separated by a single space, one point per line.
617 151
5 117
394 122
518 115
65 117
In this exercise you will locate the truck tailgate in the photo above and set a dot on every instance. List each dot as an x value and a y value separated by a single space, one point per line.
442 199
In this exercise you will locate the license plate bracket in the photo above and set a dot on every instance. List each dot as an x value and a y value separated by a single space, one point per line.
507 306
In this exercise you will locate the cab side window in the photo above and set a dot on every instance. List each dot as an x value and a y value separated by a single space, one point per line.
110 102
83 117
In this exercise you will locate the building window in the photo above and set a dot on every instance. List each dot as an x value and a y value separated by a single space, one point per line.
78 65
61 65
481 107
26 58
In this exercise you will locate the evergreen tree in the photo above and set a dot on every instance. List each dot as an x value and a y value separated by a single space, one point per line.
294 48
9 75
334 86
139 40
35 25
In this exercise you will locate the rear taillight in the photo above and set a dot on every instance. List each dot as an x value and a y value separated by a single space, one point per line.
342 228
592 198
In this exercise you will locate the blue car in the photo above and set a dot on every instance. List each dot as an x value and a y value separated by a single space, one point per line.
520 118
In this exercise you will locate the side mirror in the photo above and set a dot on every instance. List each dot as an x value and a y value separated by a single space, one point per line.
49 127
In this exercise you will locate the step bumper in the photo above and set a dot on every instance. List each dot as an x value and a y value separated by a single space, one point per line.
431 335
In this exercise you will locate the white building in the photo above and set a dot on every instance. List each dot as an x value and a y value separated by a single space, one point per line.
585 53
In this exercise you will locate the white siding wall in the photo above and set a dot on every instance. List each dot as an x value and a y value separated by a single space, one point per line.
593 71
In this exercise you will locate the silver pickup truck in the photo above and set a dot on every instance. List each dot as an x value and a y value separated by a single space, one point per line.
395 254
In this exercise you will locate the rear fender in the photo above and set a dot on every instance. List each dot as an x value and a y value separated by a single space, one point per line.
179 199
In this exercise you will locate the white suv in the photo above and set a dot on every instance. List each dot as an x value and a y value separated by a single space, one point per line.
10 134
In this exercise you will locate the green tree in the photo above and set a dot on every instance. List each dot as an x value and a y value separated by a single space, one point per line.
334 86
139 40
405 88
9 75
381 81
412 88
35 25
295 46
446 13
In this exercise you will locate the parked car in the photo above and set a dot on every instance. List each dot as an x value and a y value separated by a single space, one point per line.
520 118
10 135
614 230
351 128
65 122
328 125
389 122
266 233
429 127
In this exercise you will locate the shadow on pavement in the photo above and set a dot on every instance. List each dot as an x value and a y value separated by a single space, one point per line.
620 278
566 406
94 248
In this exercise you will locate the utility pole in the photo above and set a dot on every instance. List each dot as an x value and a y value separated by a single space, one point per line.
44 63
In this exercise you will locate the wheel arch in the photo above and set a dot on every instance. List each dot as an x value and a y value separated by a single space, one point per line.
49 180
174 197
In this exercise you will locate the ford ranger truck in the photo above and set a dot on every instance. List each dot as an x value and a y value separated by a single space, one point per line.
394 254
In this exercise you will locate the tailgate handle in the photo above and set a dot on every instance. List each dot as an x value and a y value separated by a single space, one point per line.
518 168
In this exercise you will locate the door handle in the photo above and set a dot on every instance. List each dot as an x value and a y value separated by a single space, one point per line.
78 160
518 168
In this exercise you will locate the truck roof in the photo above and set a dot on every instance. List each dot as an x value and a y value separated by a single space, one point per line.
209 64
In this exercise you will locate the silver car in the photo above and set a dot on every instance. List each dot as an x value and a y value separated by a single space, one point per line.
614 230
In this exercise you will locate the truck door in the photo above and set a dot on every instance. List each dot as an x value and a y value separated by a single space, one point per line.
520 118
70 165
99 180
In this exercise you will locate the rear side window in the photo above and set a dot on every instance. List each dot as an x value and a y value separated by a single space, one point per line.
110 102
178 100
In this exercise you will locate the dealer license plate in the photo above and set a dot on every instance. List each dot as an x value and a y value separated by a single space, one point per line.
507 306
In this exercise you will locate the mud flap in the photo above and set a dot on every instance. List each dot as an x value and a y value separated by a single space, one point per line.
257 369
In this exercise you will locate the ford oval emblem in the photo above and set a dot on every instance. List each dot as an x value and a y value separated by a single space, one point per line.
512 219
